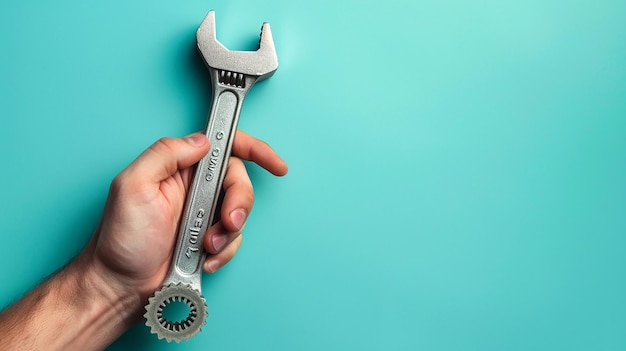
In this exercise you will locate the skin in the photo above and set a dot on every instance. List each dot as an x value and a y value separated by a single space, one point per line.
101 293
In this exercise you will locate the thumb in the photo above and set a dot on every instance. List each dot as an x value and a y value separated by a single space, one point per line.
166 156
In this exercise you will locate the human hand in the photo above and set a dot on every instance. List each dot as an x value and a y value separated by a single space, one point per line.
133 245
101 293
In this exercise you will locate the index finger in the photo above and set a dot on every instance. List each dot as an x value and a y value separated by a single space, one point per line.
252 149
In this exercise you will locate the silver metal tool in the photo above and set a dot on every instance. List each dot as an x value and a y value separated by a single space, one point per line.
233 73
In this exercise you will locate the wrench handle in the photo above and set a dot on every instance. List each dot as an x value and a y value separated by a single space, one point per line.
206 187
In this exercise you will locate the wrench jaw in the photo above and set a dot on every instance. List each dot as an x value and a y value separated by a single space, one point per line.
260 64
267 50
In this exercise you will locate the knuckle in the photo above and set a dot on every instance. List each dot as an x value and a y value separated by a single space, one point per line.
117 184
250 197
235 162
130 182
164 144
126 185
244 195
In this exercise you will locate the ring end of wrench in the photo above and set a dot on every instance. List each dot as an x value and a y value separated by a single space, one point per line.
176 330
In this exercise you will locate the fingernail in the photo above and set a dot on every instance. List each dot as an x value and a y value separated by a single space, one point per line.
196 139
238 217
219 241
212 266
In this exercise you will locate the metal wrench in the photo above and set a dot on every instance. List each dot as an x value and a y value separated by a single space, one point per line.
233 73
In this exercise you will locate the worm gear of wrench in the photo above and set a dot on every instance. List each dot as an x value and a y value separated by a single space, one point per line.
233 73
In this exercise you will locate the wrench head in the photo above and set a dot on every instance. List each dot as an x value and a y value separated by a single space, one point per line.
261 63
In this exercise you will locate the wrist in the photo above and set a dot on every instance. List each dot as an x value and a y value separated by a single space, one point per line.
101 312
89 312
107 293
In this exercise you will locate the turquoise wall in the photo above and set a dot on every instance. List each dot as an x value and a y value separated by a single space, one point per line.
457 168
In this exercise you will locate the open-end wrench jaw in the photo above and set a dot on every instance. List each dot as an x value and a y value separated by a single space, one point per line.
260 64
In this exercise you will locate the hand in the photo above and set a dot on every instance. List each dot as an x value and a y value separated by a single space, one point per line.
101 293
133 246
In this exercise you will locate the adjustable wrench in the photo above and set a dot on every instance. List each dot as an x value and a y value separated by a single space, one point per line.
233 73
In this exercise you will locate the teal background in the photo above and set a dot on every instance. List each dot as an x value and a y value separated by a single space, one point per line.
457 169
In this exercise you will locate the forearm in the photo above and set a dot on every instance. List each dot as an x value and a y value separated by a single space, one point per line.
73 310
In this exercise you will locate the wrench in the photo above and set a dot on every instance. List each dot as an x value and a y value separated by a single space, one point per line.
233 73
